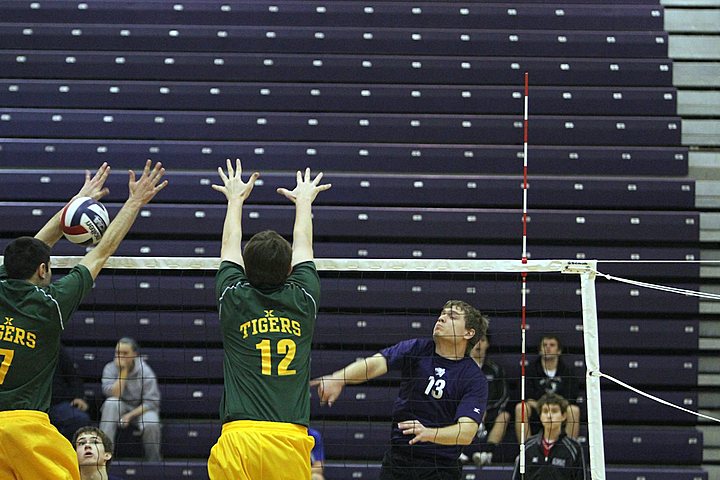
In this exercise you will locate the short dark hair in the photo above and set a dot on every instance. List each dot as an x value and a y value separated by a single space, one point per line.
268 258
24 255
473 319
107 443
550 336
553 399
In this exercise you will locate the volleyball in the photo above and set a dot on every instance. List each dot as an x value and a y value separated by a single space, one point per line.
84 221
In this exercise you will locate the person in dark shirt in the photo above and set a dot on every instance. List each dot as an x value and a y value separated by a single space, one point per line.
497 417
68 407
549 374
441 400
551 454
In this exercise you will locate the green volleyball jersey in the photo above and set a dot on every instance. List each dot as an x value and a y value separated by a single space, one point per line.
31 320
267 335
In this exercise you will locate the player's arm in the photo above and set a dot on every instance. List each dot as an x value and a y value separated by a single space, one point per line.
303 196
360 371
236 192
460 433
93 187
142 191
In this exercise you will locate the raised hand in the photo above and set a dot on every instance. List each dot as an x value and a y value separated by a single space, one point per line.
146 187
233 186
306 189
94 187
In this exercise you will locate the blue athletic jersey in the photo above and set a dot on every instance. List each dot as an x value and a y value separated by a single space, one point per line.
436 391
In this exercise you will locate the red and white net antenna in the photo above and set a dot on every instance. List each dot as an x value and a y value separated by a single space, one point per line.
524 416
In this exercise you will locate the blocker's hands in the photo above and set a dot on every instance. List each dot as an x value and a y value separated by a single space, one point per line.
306 189
94 187
233 187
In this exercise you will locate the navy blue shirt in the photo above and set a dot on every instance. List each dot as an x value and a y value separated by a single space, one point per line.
436 391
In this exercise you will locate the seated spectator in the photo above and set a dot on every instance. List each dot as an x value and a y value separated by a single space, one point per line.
497 417
94 452
549 374
68 408
551 454
133 397
317 456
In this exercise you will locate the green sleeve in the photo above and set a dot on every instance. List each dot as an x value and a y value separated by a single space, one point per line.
70 290
229 273
306 276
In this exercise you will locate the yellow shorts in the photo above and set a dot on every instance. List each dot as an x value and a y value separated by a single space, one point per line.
253 450
32 449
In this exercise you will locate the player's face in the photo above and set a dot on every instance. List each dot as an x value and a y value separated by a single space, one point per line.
450 323
91 450
551 415
480 348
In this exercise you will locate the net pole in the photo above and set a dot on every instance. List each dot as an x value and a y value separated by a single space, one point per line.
523 290
592 361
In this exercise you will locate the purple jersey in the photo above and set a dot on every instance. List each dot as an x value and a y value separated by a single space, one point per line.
435 391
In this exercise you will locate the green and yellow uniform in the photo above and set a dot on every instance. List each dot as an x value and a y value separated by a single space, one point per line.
31 321
267 336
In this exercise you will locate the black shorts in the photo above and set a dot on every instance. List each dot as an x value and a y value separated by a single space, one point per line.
402 465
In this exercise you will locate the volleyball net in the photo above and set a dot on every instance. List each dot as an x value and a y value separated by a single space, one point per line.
168 305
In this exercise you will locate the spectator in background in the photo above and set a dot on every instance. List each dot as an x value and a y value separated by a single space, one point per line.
497 417
68 408
133 397
94 452
317 456
549 374
551 454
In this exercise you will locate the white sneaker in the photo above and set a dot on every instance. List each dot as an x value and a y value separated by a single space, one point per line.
482 458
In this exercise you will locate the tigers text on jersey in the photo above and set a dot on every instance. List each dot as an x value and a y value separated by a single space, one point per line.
436 391
31 320
267 336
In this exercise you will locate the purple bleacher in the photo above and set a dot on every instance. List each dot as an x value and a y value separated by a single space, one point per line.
371 69
200 327
206 363
341 13
388 190
325 97
141 470
394 222
371 471
350 157
417 294
281 126
635 445
357 330
651 334
339 40
375 402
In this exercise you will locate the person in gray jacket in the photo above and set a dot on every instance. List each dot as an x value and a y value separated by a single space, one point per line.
133 397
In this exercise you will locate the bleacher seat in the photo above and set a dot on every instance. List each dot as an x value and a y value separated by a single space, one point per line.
327 97
333 40
373 69
350 157
387 189
553 16
197 469
342 127
394 222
